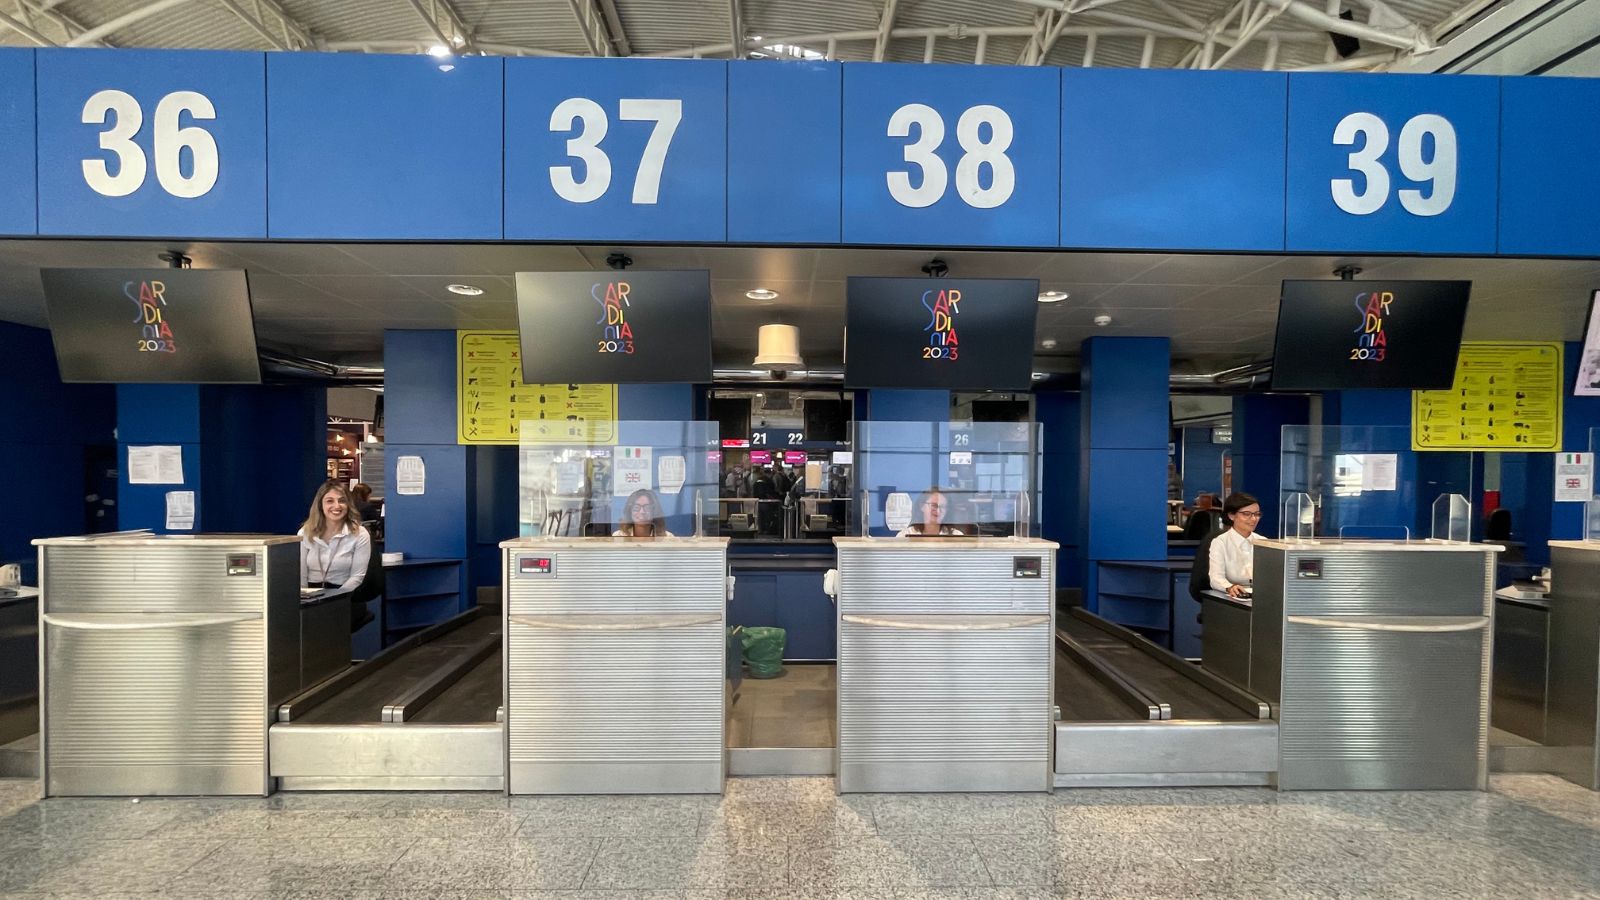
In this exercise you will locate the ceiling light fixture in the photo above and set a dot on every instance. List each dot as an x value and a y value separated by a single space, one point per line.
1102 320
1053 296
438 50
1048 343
465 290
762 294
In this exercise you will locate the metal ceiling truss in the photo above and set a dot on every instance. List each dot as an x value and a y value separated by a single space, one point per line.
43 24
1214 44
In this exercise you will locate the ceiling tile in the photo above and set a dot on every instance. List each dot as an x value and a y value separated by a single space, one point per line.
462 261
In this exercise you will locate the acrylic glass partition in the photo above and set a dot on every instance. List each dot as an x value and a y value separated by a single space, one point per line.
1362 482
1452 519
987 475
585 478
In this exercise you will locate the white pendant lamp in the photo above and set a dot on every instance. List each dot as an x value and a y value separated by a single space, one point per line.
778 348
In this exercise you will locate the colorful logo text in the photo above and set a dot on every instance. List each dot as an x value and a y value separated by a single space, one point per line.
155 335
616 335
1372 342
942 309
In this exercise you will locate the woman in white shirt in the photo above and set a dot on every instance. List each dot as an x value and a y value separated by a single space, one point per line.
334 548
1232 557
642 516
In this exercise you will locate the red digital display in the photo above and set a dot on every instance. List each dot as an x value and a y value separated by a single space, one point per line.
534 565
735 443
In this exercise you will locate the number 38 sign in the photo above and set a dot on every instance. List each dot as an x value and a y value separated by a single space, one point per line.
951 154
152 143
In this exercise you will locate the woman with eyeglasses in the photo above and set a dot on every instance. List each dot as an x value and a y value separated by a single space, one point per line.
334 548
642 516
1232 557
935 506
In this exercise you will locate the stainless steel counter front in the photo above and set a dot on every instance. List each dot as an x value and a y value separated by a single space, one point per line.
1385 662
946 649
1574 682
615 661
162 659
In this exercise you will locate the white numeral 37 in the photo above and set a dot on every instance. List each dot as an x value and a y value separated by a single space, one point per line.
589 119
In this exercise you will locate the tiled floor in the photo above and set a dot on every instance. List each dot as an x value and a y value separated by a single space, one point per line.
796 709
1534 837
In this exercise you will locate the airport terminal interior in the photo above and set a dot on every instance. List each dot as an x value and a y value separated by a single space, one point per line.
970 449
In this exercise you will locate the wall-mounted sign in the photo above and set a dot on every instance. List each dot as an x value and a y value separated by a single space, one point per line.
615 327
152 325
1506 396
954 334
1574 477
494 406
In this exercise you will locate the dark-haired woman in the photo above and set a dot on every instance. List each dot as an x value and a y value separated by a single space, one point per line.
641 517
334 548
1232 556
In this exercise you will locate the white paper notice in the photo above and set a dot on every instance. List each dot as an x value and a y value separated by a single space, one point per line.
671 471
1574 477
842 457
897 512
155 465
410 476
180 510
960 457
630 470
1380 471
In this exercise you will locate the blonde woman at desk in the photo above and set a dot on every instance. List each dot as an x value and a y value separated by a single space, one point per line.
643 518
1232 557
334 548
934 507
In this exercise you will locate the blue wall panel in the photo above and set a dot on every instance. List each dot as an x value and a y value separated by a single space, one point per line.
1318 102
158 414
1197 161
1058 415
384 147
690 201
145 505
419 387
1549 183
235 206
1030 100
655 402
783 152
1126 506
265 454
18 203
1132 410
433 524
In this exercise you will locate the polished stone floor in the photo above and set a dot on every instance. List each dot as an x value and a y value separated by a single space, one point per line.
1532 837
796 709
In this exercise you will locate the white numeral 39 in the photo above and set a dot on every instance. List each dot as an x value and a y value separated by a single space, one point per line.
1374 136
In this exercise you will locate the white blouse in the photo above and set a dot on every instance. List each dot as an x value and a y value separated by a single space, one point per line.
1232 560
341 561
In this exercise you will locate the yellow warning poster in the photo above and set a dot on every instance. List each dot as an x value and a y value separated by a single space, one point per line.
493 406
1507 396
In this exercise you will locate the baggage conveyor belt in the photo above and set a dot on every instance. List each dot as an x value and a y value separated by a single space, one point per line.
1131 713
425 714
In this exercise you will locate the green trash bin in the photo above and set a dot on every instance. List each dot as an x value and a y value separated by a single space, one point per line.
763 651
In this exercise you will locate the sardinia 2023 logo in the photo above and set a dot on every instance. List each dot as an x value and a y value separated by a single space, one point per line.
155 335
1372 342
616 335
941 328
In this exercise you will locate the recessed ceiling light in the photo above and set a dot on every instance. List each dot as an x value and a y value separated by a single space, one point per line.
762 294
465 290
1053 296
1048 343
438 50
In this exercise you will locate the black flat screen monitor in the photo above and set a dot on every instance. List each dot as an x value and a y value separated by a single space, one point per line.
948 333
1589 361
147 326
615 327
826 420
1352 335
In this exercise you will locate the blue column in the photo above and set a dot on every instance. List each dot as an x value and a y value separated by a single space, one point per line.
1123 452
1059 416
157 415
51 432
1258 421
420 420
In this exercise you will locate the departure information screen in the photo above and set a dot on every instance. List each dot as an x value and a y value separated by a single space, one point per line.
1345 335
950 333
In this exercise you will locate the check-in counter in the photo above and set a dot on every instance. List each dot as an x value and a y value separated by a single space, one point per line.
1385 661
163 656
1225 639
946 654
1574 662
615 663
